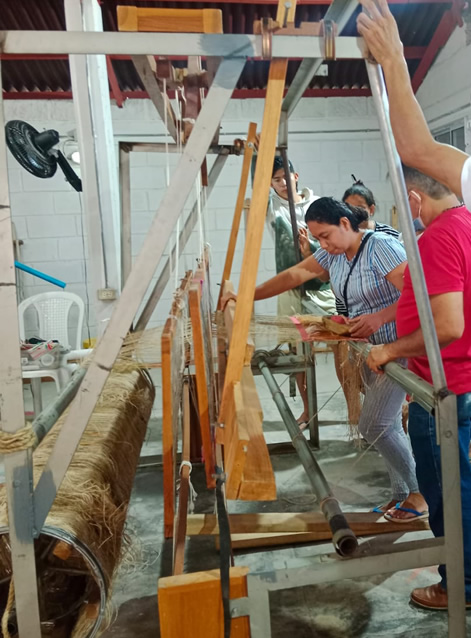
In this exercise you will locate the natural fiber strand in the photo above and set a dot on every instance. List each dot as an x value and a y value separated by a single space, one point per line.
91 504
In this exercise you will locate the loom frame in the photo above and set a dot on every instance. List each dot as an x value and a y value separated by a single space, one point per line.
28 509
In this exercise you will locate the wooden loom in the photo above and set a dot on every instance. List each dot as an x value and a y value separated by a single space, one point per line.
235 437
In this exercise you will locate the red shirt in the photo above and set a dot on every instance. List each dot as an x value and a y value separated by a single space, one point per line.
445 249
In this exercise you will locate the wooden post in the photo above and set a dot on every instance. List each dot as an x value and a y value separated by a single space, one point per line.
258 210
190 605
204 384
246 165
182 511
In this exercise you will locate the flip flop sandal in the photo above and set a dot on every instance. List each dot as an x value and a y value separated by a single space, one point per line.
379 509
418 516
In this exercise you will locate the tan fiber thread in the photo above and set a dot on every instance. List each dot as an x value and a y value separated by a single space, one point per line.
22 439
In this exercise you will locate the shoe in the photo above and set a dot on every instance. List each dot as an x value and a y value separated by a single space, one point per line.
432 597
417 516
381 508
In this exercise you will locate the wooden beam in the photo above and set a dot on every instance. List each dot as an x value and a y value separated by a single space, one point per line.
144 69
169 409
261 187
182 510
362 523
204 385
239 207
190 605
169 20
229 312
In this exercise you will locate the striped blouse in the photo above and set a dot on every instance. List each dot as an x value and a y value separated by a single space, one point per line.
368 289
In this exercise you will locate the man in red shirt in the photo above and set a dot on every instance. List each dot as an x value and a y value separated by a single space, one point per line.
445 250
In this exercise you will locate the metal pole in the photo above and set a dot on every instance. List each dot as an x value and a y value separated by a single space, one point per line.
420 390
137 284
18 465
184 236
49 416
447 430
343 538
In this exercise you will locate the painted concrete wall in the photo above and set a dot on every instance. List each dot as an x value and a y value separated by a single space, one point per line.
329 140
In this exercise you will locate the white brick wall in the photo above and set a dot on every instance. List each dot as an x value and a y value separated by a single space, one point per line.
329 140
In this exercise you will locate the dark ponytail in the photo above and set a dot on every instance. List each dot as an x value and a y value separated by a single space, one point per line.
358 188
328 210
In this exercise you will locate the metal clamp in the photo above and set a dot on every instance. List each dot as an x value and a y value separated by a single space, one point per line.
328 29
266 25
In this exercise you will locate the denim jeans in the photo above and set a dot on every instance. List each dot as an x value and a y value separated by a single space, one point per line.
428 467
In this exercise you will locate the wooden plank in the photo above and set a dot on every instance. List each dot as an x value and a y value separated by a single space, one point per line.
236 443
362 523
229 313
190 605
239 207
169 20
261 187
247 461
169 410
203 384
182 510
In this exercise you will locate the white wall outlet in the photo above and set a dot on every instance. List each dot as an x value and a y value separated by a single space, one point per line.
106 294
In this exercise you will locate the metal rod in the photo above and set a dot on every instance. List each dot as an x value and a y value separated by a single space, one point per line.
183 238
137 284
43 423
447 420
380 98
292 209
420 390
209 44
343 538
18 465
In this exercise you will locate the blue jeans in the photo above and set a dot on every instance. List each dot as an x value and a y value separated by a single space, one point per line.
428 467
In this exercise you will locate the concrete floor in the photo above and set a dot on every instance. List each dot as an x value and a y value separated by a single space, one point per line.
367 607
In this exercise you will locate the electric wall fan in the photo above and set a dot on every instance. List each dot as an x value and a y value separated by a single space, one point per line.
35 152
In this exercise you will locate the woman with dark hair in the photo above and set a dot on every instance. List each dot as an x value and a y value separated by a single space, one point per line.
361 196
366 270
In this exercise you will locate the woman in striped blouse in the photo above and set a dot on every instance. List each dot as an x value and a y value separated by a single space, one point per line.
366 270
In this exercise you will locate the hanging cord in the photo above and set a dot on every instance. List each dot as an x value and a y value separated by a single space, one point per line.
8 609
193 493
225 551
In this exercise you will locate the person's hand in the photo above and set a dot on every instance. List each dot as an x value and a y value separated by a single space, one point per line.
365 325
228 296
304 244
378 356
379 29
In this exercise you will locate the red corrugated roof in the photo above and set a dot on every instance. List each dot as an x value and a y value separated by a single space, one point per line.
419 23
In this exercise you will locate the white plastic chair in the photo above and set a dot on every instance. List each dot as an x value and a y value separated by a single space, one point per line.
53 311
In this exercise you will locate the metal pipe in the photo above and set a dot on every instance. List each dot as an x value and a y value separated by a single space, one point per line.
420 390
43 423
343 538
380 98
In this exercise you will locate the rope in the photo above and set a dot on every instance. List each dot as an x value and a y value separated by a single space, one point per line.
6 614
18 441
193 493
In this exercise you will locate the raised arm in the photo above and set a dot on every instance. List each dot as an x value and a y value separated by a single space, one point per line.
415 144
293 277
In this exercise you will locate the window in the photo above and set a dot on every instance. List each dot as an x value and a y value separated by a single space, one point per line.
453 135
